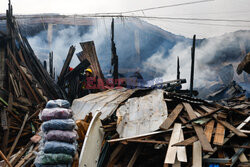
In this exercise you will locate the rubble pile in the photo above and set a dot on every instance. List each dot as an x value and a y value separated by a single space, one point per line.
141 125
155 127
25 87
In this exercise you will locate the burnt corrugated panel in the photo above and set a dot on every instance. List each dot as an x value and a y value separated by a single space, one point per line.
140 115
106 102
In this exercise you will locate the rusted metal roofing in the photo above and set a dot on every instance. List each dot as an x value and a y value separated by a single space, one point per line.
140 115
106 102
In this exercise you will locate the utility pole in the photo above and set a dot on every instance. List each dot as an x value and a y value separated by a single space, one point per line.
114 58
192 66
178 68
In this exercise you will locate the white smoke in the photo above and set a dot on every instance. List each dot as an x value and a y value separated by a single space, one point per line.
210 54
207 60
70 36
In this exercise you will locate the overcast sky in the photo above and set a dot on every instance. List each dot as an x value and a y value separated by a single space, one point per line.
217 9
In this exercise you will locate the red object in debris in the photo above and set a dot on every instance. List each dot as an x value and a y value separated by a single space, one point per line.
70 68
36 138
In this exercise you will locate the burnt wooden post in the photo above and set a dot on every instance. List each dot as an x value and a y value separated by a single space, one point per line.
178 68
45 64
66 65
114 59
51 64
192 66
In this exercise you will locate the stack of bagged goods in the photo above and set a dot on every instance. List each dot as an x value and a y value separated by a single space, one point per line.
58 145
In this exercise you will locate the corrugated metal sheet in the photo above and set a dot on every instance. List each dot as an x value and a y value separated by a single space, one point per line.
106 102
142 115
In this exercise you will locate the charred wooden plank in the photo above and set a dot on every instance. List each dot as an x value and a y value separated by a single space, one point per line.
172 116
187 142
66 64
18 136
23 75
198 129
89 53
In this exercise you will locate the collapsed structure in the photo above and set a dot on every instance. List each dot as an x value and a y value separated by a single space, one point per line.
120 126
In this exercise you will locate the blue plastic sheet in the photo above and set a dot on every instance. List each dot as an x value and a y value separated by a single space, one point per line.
58 124
59 147
58 103
63 136
55 113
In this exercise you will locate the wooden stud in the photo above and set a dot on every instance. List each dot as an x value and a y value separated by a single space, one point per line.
135 156
197 154
172 150
219 135
209 130
172 116
198 129
187 142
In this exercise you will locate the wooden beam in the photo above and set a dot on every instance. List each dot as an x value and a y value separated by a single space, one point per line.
89 53
23 75
187 142
206 146
229 136
24 86
147 141
209 130
5 159
66 64
172 150
219 135
242 157
20 153
181 150
232 128
20 163
115 155
197 154
6 131
171 117
18 136
135 156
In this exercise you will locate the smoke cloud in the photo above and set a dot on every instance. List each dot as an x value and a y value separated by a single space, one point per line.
158 50
210 56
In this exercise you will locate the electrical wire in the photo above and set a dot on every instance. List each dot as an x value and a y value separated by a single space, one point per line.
208 24
166 6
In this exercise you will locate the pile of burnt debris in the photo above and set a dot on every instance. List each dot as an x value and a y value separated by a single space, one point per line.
156 125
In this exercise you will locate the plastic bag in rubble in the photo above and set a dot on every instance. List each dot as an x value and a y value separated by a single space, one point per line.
55 113
58 124
58 103
53 159
59 147
59 135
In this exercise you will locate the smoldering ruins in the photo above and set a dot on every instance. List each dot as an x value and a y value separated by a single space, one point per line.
156 98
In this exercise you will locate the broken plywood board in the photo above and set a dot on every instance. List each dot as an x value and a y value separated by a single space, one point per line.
89 53
106 102
172 150
197 154
180 151
141 115
92 143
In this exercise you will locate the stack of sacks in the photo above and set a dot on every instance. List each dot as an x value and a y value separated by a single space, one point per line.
58 147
